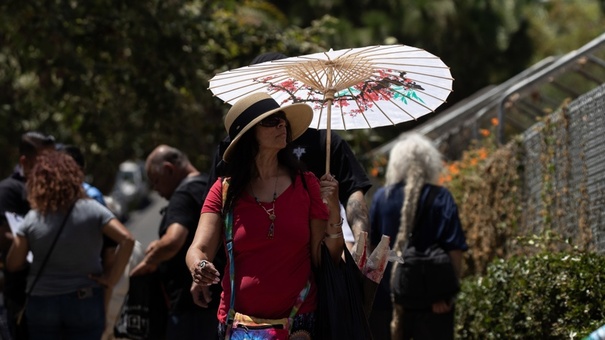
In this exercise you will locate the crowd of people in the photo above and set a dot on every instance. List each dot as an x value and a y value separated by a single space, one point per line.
79 249
236 244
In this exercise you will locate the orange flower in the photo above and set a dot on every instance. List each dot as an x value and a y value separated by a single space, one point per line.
484 132
474 161
374 172
453 169
495 121
482 153
443 179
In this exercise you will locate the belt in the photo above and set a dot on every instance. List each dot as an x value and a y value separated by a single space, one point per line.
85 293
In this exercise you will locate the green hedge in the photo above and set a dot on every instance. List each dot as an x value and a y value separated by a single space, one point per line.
547 296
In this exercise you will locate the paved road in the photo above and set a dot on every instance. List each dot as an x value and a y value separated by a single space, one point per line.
144 223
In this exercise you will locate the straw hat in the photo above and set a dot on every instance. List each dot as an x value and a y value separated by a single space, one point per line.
250 110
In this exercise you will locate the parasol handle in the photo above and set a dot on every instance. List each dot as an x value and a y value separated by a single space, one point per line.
329 100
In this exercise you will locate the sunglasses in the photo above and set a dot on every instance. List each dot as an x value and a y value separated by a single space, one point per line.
274 120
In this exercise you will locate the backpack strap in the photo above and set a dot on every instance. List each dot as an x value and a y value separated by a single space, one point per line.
198 178
50 250
189 179
228 218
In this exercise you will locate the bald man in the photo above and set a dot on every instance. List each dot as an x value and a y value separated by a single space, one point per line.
172 175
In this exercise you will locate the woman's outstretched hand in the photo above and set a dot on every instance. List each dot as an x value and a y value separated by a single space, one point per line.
204 273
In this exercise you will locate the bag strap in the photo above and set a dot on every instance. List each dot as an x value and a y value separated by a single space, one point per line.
423 211
52 246
229 244
189 179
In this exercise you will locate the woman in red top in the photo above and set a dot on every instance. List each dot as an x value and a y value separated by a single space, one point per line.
279 217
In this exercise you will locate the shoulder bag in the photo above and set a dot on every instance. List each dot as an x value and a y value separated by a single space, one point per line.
144 313
344 293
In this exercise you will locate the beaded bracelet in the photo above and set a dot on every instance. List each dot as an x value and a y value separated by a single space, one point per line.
339 224
337 235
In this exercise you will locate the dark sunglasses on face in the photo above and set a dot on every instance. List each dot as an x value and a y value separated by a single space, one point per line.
274 120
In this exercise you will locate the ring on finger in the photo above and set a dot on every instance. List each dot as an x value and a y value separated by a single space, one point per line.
202 264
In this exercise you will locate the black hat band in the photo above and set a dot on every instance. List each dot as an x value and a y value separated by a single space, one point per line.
250 114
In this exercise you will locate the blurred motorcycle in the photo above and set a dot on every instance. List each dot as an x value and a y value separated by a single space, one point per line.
131 190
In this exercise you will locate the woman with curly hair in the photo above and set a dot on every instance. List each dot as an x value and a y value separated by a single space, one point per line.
66 297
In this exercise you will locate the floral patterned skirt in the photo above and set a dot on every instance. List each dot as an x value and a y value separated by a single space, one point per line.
302 322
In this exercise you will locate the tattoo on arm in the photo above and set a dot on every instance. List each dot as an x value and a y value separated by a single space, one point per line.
357 213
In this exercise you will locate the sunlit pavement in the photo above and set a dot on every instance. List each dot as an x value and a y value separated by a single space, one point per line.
144 223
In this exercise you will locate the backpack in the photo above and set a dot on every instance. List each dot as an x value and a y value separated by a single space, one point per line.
426 276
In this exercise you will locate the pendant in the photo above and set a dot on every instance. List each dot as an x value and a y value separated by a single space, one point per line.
271 228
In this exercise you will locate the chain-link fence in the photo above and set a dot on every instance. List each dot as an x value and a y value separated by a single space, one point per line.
564 172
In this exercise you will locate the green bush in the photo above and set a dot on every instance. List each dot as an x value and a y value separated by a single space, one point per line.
547 296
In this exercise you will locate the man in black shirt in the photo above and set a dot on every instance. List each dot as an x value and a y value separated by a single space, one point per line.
353 183
176 179
13 198
310 149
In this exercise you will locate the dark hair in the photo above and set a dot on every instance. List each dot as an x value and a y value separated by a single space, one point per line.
242 168
261 58
32 142
74 152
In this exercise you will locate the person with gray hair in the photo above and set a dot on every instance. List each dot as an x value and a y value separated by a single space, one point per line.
172 175
411 183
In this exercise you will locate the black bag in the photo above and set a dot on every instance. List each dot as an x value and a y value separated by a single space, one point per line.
21 331
343 294
425 276
15 298
145 310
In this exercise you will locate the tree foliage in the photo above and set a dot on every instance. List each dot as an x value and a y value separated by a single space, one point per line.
483 41
118 78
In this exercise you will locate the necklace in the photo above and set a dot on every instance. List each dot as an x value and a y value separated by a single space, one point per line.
270 212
